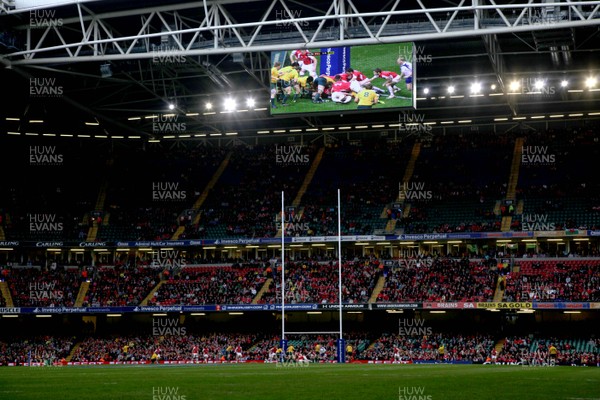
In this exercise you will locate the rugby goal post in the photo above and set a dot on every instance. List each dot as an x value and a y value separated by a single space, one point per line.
341 345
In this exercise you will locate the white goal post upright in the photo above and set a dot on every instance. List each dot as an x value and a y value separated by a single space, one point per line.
283 341
341 343
340 258
341 348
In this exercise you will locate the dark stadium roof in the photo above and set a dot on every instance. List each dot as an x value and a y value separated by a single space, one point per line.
543 43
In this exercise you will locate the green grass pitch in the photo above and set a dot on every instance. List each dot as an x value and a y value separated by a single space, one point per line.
364 59
330 382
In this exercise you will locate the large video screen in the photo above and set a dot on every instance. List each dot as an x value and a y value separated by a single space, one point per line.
335 79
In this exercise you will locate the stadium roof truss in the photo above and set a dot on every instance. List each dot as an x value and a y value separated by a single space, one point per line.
225 42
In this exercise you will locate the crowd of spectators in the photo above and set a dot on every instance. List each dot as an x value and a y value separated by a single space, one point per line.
369 173
553 186
140 348
150 189
457 347
548 281
439 279
368 177
361 346
317 348
210 347
56 187
531 350
446 194
211 285
245 203
37 287
120 286
43 350
309 281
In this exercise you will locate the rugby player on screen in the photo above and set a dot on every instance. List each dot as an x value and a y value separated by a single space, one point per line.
303 85
321 87
274 78
306 60
391 79
405 71
287 80
366 98
340 91
358 80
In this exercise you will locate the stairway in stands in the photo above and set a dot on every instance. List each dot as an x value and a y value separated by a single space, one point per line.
309 176
499 346
5 291
2 234
151 294
83 289
377 289
72 352
511 190
520 207
497 210
408 173
202 198
499 292
307 180
262 291
93 231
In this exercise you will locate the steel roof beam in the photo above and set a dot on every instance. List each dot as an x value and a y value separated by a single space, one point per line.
484 17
